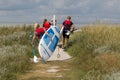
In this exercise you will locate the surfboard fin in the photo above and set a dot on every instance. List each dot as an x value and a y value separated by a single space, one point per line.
43 61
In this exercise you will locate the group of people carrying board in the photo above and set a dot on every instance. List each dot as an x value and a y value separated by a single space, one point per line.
39 31
67 28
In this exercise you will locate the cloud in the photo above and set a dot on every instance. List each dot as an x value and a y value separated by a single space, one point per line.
36 10
17 4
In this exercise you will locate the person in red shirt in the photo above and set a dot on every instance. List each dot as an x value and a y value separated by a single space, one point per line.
46 24
38 32
67 28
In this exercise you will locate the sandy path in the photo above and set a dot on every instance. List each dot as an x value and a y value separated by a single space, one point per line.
59 55
54 68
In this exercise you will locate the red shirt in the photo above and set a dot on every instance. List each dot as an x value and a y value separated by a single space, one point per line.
39 32
67 24
47 25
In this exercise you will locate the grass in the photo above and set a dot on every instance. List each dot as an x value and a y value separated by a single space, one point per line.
14 51
96 52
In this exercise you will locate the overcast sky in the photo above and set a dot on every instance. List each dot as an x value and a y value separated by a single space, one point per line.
82 11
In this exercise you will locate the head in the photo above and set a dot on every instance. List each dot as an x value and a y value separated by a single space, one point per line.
69 17
53 21
36 26
44 20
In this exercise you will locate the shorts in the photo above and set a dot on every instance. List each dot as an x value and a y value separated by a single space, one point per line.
64 35
40 35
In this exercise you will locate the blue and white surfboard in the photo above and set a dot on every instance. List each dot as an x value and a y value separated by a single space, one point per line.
49 42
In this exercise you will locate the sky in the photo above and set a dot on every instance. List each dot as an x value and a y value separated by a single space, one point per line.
81 11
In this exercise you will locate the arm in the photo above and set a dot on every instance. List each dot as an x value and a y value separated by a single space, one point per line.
34 36
72 28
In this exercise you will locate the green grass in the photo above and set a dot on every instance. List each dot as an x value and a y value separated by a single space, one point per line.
96 52
15 50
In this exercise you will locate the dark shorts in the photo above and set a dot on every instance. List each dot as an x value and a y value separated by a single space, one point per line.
64 34
40 35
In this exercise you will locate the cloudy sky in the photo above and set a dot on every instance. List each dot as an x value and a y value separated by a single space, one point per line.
82 11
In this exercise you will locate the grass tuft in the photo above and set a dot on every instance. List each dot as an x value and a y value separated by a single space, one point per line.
14 51
96 52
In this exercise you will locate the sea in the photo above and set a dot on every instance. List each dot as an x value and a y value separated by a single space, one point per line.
11 24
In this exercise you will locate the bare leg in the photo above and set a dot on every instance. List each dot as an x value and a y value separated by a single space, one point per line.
67 40
63 42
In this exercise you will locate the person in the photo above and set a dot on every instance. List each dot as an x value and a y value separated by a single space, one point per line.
52 22
38 32
46 24
67 28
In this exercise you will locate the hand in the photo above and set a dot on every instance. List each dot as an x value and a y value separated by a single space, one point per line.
32 43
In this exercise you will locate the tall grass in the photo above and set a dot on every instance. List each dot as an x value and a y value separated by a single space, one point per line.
96 52
15 50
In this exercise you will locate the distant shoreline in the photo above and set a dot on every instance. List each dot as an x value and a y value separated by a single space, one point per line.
13 24
77 25
20 24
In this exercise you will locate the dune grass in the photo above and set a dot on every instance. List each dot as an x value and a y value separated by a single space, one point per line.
96 52
15 50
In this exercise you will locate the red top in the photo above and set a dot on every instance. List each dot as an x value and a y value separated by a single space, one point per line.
47 25
39 32
68 24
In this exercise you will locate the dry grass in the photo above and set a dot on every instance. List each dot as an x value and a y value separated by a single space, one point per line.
108 62
96 51
14 49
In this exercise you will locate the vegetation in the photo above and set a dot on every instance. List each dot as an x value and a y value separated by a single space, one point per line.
96 52
14 51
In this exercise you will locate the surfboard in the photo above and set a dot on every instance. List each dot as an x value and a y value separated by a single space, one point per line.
49 42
